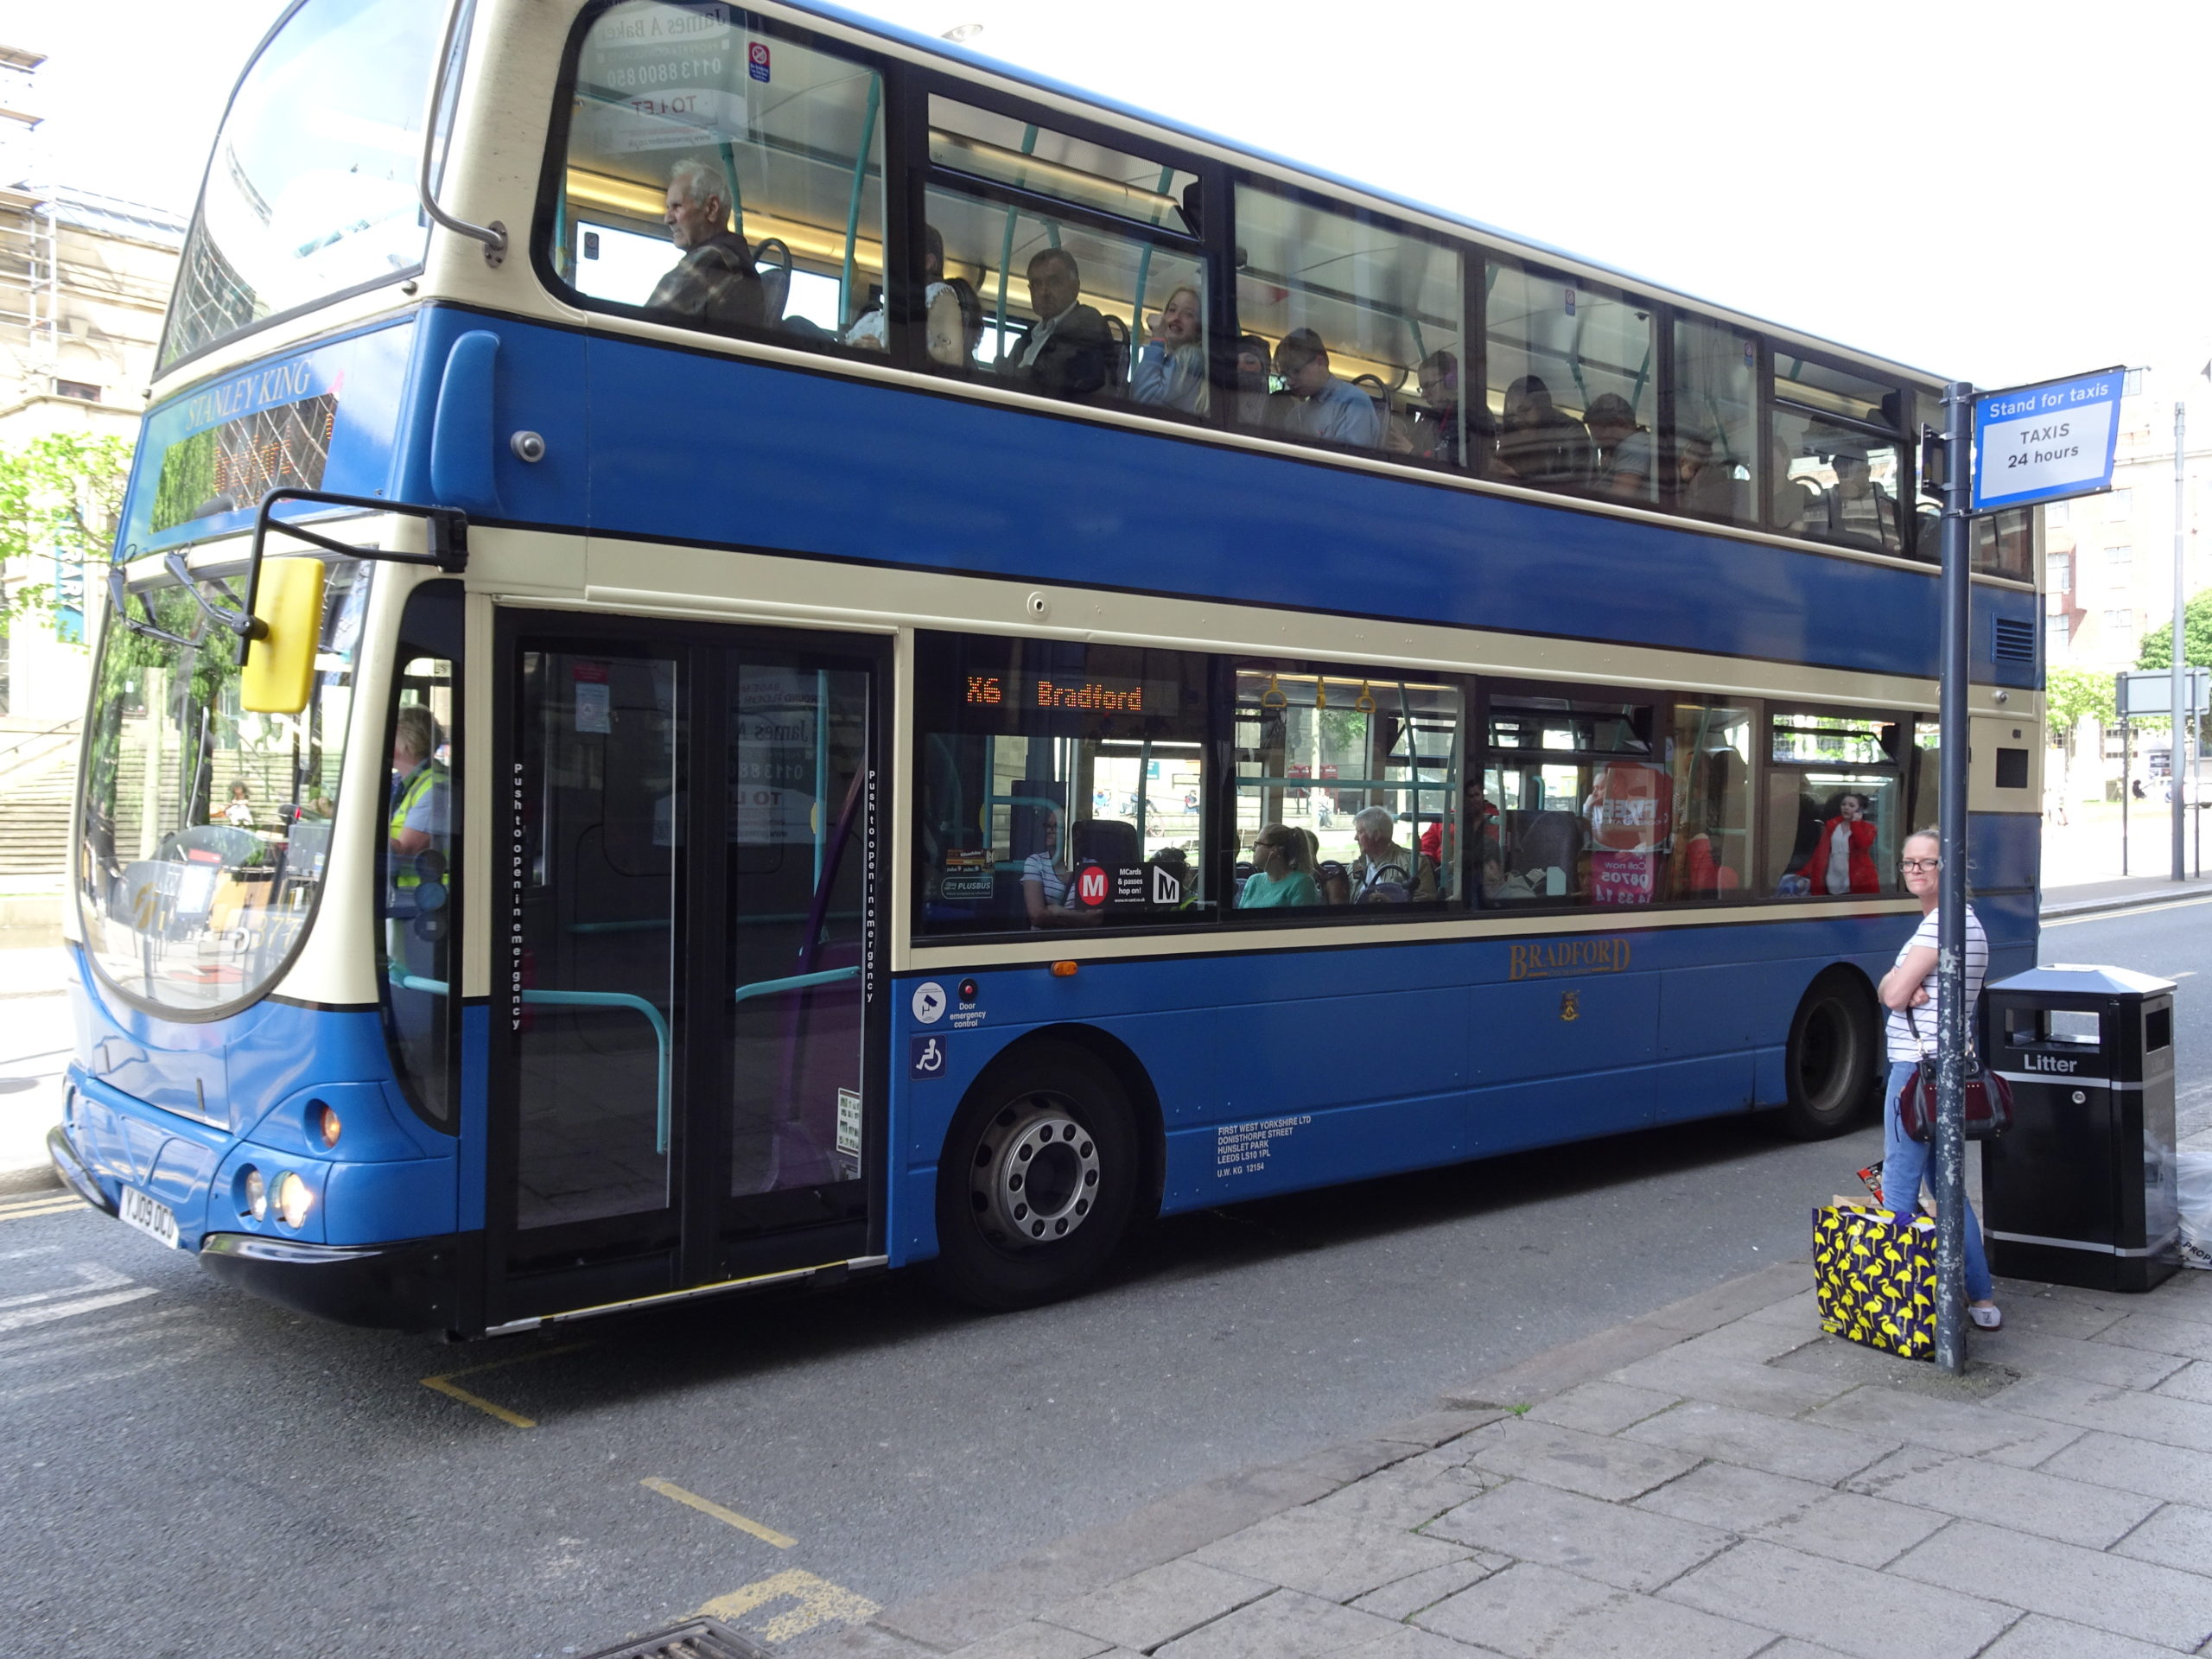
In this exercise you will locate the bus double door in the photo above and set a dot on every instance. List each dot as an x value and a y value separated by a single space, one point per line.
684 844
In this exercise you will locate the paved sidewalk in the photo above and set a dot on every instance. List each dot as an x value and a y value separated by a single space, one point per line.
2124 892
1716 1480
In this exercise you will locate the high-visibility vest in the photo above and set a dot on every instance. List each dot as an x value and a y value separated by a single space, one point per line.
417 786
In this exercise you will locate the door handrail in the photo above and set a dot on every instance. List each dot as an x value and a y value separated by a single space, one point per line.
407 981
794 983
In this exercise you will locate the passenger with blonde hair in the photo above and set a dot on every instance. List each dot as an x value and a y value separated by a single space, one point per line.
1170 371
1282 871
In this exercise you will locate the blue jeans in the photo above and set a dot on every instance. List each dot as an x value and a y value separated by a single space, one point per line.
1904 1167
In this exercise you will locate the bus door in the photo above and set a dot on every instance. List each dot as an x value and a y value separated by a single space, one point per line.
686 1081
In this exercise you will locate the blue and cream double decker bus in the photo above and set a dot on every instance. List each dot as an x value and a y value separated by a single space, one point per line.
746 646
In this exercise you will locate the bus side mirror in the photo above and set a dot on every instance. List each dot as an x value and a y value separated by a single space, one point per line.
280 664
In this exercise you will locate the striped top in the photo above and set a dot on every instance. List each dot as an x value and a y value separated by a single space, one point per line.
1902 1043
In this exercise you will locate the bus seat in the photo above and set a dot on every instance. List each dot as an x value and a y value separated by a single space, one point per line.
775 280
1109 842
1541 841
1118 372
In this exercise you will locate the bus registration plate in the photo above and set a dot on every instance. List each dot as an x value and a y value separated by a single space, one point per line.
150 1216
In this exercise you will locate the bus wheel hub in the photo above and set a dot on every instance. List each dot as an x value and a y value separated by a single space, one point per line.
1035 1176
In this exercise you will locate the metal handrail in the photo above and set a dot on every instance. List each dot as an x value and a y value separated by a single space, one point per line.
493 236
407 981
794 982
9 748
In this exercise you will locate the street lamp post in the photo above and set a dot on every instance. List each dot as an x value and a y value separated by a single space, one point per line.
2177 701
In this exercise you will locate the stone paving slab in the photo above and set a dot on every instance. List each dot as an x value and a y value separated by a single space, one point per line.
1284 1626
1325 1555
1850 1527
2145 1466
1631 1548
1158 1605
1732 1497
1601 1407
2026 1500
1941 1425
2093 1359
2180 1534
2105 1591
2161 1334
1037 1641
1837 1605
2037 1637
1730 1382
1806 1451
1597 1466
1406 1497
1530 1611
2181 1423
1410 1596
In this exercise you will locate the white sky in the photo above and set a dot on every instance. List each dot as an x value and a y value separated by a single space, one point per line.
1781 158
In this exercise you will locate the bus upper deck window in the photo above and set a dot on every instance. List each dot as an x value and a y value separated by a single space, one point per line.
720 177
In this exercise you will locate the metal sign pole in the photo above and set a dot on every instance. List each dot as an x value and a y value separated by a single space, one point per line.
1949 1141
2178 701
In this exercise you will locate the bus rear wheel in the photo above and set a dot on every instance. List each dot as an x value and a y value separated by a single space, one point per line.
1037 1183
1834 1057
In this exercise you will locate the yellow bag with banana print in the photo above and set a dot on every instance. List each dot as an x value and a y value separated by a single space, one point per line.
1874 1275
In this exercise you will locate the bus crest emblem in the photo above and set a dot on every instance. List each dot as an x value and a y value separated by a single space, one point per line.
1570 1005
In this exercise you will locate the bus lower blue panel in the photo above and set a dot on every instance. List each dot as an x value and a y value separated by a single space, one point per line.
2004 850
1295 1068
1685 1090
475 1111
1290 1151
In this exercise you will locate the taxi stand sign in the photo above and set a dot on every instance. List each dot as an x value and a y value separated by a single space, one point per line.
2046 442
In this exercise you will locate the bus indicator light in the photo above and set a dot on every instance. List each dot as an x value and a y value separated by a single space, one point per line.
1064 970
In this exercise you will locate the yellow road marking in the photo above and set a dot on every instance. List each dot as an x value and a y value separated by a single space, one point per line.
707 1506
443 1383
46 1204
820 1602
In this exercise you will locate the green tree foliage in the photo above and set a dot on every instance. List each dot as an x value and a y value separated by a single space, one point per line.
2071 694
2196 636
60 495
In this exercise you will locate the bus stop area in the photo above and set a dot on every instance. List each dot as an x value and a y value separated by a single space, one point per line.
1717 1478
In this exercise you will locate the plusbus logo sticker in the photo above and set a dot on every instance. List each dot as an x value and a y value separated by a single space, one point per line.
1551 958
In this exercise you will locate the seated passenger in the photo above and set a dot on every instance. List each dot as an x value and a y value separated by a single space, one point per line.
1282 871
1842 859
1171 369
1622 465
956 325
1068 350
1538 444
1322 407
1792 504
869 331
1328 875
1859 511
1435 435
1047 893
1385 873
1703 484
1255 406
716 282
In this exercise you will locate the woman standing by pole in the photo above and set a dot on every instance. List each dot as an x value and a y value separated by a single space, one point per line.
1908 991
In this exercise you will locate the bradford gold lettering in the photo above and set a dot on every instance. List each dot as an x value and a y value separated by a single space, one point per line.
1549 958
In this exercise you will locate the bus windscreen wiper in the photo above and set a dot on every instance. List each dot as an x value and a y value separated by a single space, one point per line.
239 621
120 595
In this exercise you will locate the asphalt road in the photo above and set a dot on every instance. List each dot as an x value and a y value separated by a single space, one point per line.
192 1473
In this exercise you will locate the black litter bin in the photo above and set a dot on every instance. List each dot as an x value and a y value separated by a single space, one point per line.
2082 1191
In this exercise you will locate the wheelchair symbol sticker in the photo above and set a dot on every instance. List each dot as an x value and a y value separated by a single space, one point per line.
927 1056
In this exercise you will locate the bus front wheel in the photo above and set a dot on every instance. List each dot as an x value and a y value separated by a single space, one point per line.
1037 1183
1834 1059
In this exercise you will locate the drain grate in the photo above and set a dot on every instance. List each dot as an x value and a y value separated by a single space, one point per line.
695 1638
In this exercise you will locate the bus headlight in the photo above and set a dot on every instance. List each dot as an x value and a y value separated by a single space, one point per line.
293 1199
325 1124
253 1193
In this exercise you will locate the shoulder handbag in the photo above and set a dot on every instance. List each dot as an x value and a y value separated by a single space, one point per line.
1987 1103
